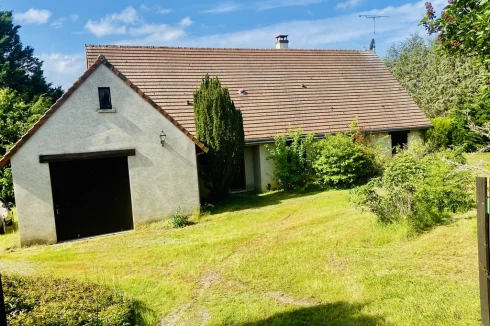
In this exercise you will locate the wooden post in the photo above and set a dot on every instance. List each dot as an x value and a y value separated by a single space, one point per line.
483 248
3 314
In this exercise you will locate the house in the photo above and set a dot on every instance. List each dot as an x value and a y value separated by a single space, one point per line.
320 91
118 148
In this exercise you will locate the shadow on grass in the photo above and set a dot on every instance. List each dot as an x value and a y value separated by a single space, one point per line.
144 315
238 202
339 313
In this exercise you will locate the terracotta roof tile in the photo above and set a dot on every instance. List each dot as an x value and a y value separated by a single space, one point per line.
321 91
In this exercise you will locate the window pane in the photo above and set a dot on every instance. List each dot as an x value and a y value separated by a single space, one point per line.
105 98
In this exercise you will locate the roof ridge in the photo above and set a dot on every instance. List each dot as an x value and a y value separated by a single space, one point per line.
211 48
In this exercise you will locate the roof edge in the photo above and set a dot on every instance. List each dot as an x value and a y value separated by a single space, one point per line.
321 135
101 60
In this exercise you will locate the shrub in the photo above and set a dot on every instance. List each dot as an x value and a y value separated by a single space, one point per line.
41 301
417 186
179 220
291 160
344 160
440 136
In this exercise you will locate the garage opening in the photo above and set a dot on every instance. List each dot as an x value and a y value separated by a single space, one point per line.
91 194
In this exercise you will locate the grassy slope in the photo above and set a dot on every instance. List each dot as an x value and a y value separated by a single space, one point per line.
279 259
479 159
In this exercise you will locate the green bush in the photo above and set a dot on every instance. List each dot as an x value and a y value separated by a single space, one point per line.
39 301
179 220
344 160
291 159
440 136
418 186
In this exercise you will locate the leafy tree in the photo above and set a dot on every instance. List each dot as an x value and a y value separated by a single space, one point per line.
443 86
16 117
462 27
19 69
24 93
219 125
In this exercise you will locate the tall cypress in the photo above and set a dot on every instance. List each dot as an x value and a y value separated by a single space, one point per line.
219 125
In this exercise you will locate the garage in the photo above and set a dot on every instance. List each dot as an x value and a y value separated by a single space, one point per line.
91 193
104 158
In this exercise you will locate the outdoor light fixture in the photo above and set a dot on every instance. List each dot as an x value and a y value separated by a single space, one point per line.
163 136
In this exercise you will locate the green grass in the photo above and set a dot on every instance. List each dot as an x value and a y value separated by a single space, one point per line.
479 159
278 259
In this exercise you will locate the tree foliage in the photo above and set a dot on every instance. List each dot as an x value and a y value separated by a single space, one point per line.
463 27
24 93
443 86
20 70
16 117
219 125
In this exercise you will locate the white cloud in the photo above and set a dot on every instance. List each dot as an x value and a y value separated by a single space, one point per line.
222 8
154 34
115 23
33 16
164 11
58 23
62 69
186 22
157 34
157 9
348 4
272 4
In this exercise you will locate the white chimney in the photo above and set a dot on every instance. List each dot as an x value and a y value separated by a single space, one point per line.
282 42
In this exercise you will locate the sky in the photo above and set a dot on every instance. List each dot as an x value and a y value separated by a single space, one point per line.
58 29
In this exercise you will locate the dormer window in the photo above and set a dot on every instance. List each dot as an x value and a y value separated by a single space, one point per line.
105 98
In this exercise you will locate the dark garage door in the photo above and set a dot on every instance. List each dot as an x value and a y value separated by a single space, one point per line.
91 197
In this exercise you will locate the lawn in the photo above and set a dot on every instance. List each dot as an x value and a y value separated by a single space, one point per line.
278 259
479 159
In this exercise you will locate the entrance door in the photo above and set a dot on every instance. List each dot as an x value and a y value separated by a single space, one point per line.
91 197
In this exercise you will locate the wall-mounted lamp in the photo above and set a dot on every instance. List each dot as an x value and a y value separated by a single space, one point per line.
163 136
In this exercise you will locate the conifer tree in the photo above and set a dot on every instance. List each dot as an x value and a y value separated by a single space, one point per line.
219 125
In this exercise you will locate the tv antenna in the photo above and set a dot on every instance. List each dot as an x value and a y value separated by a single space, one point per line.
372 46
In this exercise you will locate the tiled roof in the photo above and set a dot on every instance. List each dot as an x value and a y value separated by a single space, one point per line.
94 65
320 91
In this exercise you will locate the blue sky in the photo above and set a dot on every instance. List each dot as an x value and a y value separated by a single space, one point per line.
58 30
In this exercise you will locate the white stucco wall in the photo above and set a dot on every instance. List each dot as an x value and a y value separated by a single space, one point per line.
414 137
249 168
383 141
162 179
266 169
